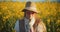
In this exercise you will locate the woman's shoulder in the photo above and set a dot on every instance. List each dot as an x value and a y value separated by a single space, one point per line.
22 19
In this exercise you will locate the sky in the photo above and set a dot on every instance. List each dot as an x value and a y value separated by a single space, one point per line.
32 0
35 0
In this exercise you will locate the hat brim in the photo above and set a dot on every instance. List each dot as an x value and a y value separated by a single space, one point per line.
24 10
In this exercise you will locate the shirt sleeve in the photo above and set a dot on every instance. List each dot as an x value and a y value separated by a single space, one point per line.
41 27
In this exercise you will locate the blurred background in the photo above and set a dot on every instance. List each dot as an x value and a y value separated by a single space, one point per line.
10 12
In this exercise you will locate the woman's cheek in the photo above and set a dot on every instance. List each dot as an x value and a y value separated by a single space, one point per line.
30 16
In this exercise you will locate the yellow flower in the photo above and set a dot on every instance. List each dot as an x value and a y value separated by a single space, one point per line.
0 13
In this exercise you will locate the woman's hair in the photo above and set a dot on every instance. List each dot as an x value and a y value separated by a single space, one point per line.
38 20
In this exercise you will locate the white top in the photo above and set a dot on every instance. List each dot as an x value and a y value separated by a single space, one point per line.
29 24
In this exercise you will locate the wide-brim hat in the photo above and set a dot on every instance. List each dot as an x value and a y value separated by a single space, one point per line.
30 6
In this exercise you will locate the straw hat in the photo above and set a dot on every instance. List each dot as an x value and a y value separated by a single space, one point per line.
30 6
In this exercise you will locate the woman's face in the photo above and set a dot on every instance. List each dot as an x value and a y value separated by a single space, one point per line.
30 14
